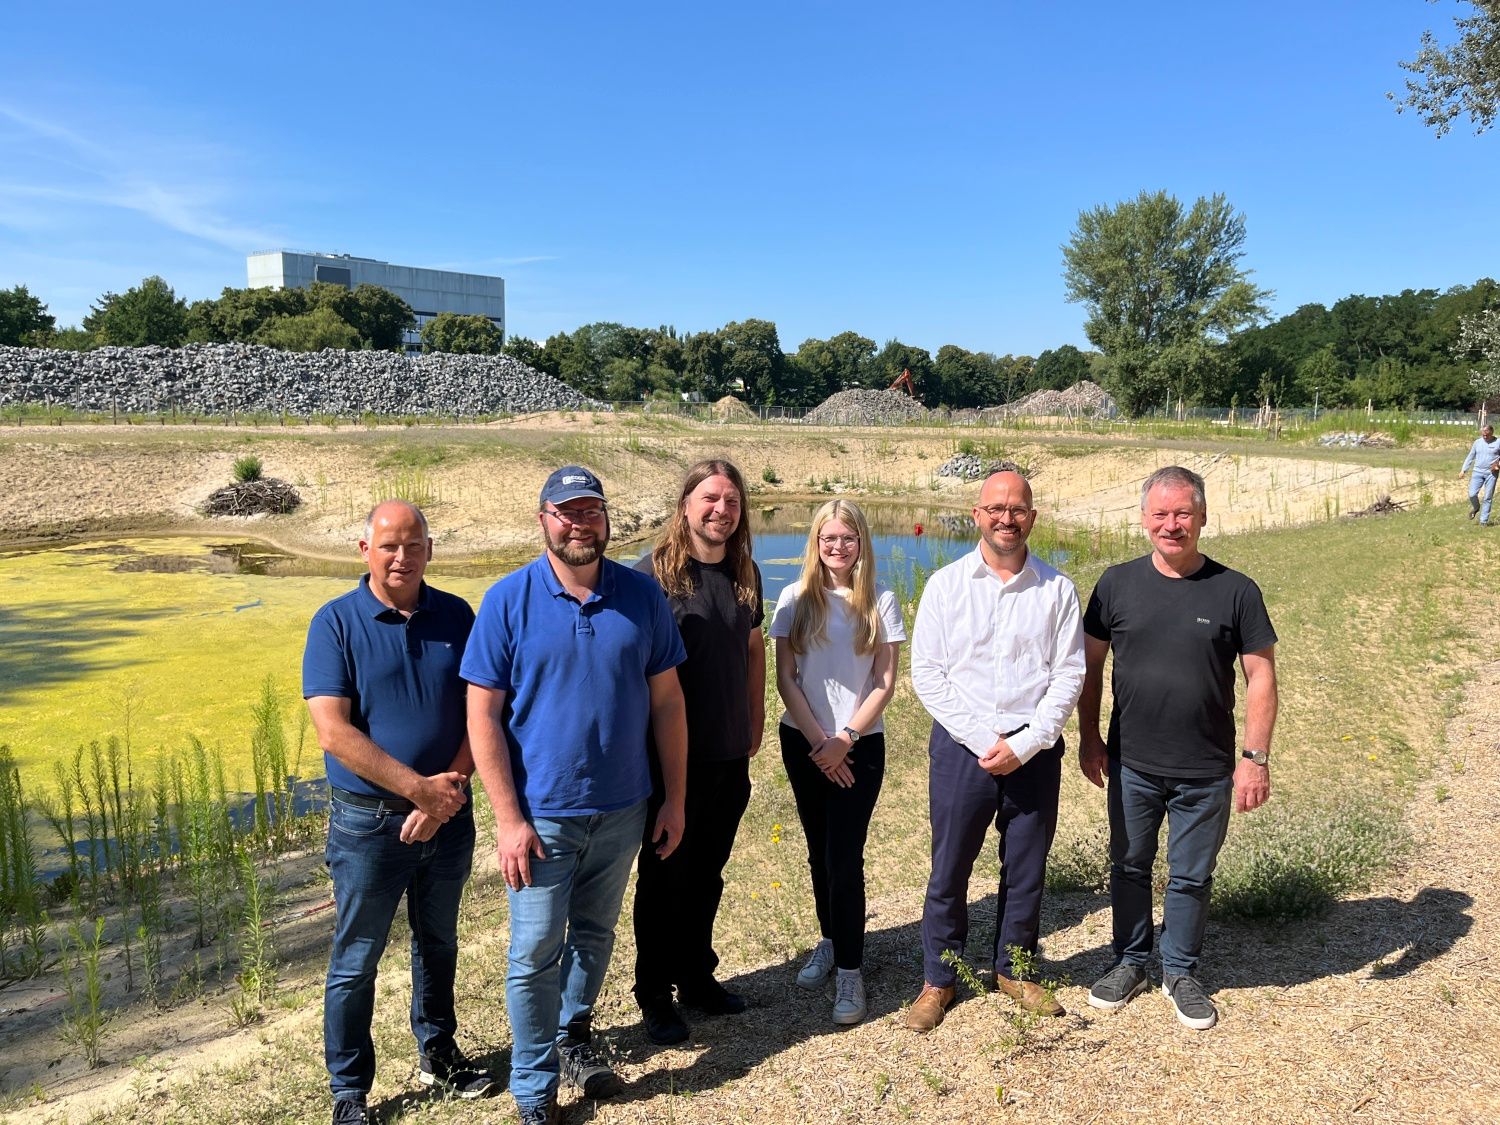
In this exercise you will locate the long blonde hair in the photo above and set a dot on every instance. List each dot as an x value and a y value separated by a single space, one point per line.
810 621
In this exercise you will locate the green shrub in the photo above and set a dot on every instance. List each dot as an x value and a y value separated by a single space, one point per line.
769 475
247 468
1302 858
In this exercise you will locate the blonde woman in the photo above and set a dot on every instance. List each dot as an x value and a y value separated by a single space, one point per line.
838 637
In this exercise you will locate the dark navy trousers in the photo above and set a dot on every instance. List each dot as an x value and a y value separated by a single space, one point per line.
963 800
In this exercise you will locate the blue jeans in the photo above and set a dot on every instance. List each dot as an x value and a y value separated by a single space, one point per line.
1197 814
371 870
1482 485
562 931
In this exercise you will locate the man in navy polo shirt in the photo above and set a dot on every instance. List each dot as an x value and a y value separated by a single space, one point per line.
380 675
571 657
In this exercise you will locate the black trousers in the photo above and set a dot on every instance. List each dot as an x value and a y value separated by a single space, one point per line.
836 821
677 898
962 801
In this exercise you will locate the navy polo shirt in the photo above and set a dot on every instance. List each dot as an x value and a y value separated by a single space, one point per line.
400 675
574 675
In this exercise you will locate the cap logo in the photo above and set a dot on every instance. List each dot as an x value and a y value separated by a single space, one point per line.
570 479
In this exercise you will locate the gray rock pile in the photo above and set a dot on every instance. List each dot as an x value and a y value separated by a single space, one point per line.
971 466
866 408
1349 439
247 378
1081 399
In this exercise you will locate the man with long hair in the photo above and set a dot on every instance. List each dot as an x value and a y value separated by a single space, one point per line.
703 563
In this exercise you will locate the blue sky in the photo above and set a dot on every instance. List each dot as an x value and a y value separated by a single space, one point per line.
901 170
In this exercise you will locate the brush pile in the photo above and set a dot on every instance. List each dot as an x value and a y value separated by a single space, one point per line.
266 496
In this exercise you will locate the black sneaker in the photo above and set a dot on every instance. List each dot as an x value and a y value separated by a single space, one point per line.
1194 1008
1118 987
544 1114
664 1023
712 998
456 1077
347 1111
582 1067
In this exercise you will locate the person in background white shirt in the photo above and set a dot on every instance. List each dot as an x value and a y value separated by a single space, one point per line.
997 660
838 636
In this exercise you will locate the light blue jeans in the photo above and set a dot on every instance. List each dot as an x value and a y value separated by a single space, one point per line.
562 931
1482 485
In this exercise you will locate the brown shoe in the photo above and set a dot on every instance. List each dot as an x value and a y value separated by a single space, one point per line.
929 1008
1030 996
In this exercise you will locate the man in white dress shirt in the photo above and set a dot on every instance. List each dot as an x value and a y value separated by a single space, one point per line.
997 660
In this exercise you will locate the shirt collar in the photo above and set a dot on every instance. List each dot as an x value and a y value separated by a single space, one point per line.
377 608
605 588
978 568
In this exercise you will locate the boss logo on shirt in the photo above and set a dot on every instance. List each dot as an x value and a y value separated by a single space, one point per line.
1204 621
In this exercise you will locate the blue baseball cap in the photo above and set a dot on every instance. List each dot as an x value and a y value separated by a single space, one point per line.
569 483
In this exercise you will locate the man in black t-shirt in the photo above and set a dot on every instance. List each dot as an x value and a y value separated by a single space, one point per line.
703 563
1177 622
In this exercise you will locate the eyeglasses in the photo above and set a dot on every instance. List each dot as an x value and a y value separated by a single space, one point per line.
839 540
574 517
994 511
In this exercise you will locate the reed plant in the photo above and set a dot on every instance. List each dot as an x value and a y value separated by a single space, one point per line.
83 981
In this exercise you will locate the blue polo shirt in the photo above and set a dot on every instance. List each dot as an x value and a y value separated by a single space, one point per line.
574 675
400 675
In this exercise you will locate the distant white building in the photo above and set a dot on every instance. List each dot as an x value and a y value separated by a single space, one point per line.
428 292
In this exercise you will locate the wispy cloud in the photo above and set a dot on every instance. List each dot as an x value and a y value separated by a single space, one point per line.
149 177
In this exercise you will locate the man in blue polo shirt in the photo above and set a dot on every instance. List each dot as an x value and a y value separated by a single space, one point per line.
380 675
571 657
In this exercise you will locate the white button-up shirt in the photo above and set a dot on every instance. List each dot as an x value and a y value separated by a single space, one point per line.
989 655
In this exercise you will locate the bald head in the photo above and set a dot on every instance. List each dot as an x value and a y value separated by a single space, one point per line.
1007 481
396 549
388 510
1004 517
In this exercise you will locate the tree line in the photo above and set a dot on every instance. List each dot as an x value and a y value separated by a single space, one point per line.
1172 312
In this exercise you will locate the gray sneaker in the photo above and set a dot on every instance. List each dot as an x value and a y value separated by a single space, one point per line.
1194 1008
582 1067
819 966
1118 987
849 998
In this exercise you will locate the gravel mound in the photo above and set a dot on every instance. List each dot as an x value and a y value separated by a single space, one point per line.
970 466
1350 438
247 378
1083 398
731 409
865 408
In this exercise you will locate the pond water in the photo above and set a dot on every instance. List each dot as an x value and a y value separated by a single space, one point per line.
158 639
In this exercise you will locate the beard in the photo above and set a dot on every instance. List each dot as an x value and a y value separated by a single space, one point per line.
577 553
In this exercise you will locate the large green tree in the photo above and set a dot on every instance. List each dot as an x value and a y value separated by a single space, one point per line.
1459 80
311 332
149 313
1057 369
1162 283
753 357
461 334
24 320
236 315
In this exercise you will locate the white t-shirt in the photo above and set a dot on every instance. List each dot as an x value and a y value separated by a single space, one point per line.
834 678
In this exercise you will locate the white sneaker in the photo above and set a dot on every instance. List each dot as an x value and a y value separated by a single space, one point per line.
849 997
819 966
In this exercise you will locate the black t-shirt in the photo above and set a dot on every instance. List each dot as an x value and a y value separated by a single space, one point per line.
715 630
1175 642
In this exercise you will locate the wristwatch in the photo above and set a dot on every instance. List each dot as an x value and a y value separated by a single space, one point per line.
1259 757
853 735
